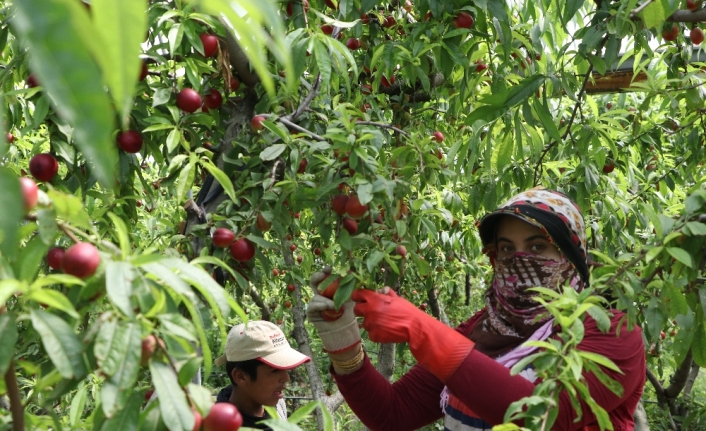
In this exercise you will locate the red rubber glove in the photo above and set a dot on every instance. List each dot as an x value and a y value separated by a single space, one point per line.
389 318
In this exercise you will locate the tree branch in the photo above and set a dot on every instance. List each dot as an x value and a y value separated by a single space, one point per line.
296 127
637 10
13 391
300 129
238 59
691 379
679 378
384 126
659 390
307 101
261 304
688 16
193 210
312 369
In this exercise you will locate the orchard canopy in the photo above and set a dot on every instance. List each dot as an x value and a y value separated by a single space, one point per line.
365 135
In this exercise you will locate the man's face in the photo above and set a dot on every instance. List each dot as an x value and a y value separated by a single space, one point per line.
267 389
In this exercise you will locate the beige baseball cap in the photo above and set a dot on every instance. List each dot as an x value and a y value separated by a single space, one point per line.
261 340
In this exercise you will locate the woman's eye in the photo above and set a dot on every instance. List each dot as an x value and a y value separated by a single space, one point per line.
537 248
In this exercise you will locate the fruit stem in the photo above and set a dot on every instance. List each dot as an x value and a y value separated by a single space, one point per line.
68 232
63 226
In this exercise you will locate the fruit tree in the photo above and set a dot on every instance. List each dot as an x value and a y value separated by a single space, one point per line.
172 167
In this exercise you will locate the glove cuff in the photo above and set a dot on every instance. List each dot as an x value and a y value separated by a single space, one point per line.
342 339
439 348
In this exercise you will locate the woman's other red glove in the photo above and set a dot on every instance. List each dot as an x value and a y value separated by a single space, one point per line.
389 318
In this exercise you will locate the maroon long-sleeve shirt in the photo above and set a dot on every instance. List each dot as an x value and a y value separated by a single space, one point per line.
487 387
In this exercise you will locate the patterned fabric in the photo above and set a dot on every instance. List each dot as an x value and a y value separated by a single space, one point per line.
552 202
509 301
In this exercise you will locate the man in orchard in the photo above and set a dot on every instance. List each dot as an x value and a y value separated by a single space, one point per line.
257 359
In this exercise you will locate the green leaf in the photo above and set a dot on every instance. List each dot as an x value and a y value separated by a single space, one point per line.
118 285
570 9
373 259
485 114
653 253
601 318
188 370
696 228
50 279
175 410
30 258
365 193
503 152
280 425
674 299
422 266
46 223
61 344
221 177
546 119
695 201
653 14
63 64
9 287
69 208
8 337
177 325
185 180
323 62
121 231
702 299
4 144
612 48
203 281
120 27
173 139
599 359
272 152
683 341
681 255
698 345
77 405
171 281
118 351
54 299
12 211
112 398
516 94
127 418
654 315
175 35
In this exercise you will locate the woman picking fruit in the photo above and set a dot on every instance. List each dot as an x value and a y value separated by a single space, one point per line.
537 238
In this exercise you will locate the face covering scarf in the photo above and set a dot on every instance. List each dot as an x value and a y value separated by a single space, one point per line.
512 314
